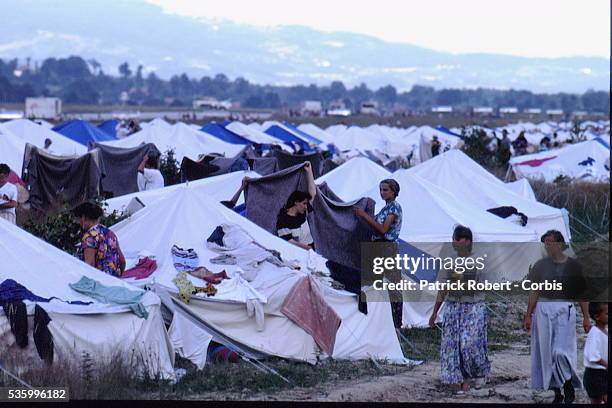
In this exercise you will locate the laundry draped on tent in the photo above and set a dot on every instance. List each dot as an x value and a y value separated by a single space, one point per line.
233 316
79 324
120 166
56 180
336 231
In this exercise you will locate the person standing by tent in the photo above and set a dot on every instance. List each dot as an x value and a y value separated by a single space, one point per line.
99 246
386 227
8 195
551 319
435 146
504 148
149 177
291 222
520 144
463 350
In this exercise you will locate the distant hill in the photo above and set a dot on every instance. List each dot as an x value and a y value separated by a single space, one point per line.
131 30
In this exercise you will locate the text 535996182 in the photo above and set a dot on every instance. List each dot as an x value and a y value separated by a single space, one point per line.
33 394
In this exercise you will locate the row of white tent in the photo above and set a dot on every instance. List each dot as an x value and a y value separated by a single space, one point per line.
448 190
384 142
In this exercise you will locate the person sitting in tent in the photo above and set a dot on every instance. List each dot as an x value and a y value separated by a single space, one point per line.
435 146
463 350
47 147
149 177
8 195
99 246
291 222
545 144
520 144
386 227
551 319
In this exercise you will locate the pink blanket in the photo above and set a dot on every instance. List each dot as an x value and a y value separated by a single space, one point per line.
306 307
535 162
143 269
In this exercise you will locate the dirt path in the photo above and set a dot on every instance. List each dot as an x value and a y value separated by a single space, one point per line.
509 383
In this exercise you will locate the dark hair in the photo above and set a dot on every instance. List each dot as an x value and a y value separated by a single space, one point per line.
4 169
88 210
595 308
557 236
295 197
152 161
461 231
393 185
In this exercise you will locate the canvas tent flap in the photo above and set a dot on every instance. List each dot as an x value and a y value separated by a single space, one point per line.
76 328
171 221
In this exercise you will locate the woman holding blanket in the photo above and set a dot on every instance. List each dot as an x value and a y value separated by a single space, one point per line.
463 350
386 227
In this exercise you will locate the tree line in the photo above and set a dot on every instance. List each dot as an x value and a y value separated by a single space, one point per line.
80 81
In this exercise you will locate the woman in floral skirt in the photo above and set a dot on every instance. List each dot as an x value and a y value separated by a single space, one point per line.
463 351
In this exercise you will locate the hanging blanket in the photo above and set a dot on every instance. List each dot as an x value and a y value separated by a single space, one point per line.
121 166
336 231
306 307
287 160
53 179
212 165
265 165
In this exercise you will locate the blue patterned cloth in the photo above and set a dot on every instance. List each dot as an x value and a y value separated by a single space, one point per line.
393 233
463 351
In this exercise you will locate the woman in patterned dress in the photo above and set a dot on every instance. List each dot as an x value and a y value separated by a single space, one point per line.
386 227
463 350
99 246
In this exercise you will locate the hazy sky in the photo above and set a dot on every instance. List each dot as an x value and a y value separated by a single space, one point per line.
533 28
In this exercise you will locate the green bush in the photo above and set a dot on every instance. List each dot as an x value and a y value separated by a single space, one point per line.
170 168
60 228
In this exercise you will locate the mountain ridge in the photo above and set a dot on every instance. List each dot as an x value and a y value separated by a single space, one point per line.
169 44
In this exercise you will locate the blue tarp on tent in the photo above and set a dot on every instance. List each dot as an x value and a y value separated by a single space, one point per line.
448 131
603 142
82 132
222 133
303 135
281 134
109 127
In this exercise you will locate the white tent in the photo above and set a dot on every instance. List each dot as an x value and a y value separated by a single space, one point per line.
186 219
185 141
456 173
335 130
353 178
99 329
360 139
421 138
11 149
36 134
218 188
255 135
522 188
585 161
159 122
317 132
429 217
